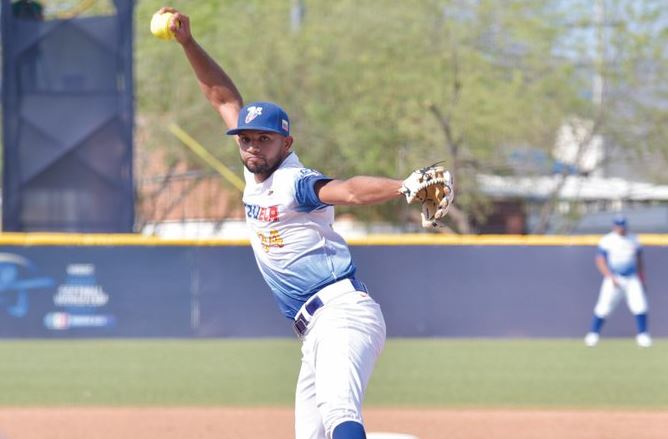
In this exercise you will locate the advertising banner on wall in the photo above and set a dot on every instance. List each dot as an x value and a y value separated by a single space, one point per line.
216 291
95 292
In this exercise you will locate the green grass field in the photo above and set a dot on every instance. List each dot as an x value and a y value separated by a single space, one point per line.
424 372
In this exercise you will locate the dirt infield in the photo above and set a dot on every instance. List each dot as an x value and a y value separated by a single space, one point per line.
276 423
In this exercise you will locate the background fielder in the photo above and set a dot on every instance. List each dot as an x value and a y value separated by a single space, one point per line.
307 265
619 259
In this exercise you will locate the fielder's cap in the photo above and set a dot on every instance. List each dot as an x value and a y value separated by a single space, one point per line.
620 221
262 116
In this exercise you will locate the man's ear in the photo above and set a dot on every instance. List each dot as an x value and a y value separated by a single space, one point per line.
287 142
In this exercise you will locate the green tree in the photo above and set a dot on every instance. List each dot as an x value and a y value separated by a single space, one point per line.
383 87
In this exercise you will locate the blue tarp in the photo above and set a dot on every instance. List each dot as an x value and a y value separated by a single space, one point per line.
68 123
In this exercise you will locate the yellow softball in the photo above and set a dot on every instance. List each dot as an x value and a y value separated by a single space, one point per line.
160 25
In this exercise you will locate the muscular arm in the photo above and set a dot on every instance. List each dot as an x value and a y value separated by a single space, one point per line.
216 85
359 190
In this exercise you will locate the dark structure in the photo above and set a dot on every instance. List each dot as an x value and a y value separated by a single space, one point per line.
67 120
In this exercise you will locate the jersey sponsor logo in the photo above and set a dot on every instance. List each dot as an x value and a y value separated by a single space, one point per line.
253 112
272 240
264 214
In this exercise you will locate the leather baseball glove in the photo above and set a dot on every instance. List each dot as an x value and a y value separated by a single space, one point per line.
430 186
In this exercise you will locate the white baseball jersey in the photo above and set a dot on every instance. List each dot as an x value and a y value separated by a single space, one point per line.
295 246
620 252
299 254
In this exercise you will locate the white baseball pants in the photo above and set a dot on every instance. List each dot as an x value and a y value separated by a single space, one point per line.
339 351
610 295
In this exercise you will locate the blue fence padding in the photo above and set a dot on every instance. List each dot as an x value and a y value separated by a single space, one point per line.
68 122
216 291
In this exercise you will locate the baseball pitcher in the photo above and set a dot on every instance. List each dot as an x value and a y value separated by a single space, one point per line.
619 259
306 264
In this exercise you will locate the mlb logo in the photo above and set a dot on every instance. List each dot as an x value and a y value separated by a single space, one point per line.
285 125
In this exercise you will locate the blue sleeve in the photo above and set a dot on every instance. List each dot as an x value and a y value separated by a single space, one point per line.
305 195
602 251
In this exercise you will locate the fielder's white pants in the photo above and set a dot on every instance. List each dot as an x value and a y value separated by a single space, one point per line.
339 351
610 295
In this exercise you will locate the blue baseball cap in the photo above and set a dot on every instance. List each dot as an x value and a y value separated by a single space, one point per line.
619 221
262 116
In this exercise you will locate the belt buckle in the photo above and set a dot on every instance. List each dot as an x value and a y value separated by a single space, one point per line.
299 325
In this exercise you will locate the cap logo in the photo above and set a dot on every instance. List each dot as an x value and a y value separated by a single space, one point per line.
285 125
253 112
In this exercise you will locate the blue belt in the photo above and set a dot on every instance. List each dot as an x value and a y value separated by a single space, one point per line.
314 303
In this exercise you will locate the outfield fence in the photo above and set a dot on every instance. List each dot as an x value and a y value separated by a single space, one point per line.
62 285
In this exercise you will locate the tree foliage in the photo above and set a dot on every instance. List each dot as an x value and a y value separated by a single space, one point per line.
382 87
